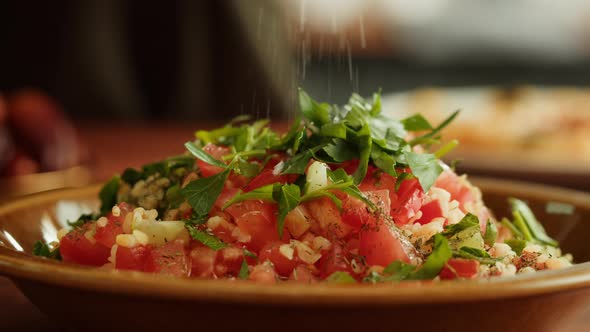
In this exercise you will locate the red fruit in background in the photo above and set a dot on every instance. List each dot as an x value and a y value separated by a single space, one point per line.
40 128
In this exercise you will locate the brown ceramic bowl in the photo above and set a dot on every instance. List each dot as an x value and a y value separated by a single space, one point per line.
90 298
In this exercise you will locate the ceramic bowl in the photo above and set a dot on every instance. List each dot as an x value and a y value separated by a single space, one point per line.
89 298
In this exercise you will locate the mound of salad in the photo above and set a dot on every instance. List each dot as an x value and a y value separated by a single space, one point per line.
346 195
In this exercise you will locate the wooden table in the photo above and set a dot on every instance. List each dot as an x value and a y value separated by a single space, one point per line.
113 149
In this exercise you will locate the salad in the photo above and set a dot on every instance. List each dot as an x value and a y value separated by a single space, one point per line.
346 195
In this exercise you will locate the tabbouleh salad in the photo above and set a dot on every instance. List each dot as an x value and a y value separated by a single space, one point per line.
346 195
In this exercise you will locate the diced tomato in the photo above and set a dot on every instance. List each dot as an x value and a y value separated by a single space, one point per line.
463 193
226 195
460 268
223 229
267 177
302 274
203 262
75 247
229 261
355 213
459 191
335 259
405 203
430 211
380 245
298 221
216 152
171 258
263 273
283 265
260 229
107 234
132 258
326 213
267 209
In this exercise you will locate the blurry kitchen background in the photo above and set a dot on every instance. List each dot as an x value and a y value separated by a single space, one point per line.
141 75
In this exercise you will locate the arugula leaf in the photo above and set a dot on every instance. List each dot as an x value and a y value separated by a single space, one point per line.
244 271
43 250
160 167
441 253
203 156
364 143
202 193
426 137
205 238
289 199
491 233
398 270
510 226
468 221
474 253
131 176
265 193
532 224
425 167
174 196
416 123
83 219
517 245
559 208
108 195
521 225
318 114
384 161
339 150
298 163
250 254
340 277
337 130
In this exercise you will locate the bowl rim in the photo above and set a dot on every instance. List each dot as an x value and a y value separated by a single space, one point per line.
22 266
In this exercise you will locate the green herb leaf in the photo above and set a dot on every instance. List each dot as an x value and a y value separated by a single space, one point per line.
131 176
477 254
205 238
340 277
83 219
441 253
43 250
510 226
560 208
416 123
468 221
298 163
108 195
202 193
203 156
318 114
425 167
428 136
533 225
244 271
250 254
174 196
337 130
364 144
517 245
398 271
265 193
289 199
491 233
339 150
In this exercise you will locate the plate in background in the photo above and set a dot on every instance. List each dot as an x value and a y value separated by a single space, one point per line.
529 133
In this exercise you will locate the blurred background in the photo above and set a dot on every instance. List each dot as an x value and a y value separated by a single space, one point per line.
94 86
